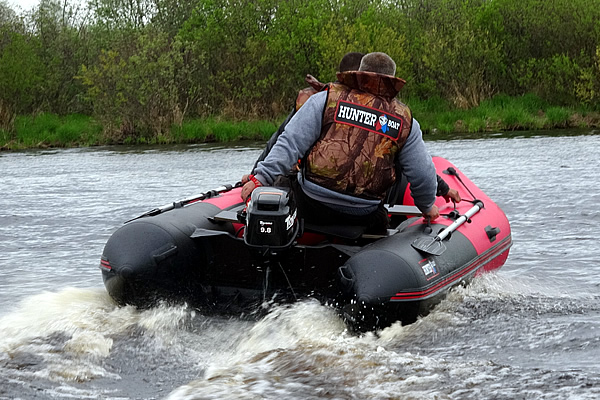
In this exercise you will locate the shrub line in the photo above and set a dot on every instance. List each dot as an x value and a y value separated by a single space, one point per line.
501 113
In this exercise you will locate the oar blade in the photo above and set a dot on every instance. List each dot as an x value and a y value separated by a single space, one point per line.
429 245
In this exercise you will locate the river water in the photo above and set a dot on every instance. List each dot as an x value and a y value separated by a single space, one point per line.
529 331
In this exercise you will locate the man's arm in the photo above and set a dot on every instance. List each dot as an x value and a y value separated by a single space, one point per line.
299 135
273 139
444 191
442 186
419 169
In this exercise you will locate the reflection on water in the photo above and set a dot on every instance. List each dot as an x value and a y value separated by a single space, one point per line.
529 331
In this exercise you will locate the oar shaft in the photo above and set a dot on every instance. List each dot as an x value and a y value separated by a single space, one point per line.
181 203
201 196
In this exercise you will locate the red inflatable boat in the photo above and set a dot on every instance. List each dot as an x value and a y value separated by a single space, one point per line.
209 252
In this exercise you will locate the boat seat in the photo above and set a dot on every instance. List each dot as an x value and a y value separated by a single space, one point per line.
343 231
390 232
354 232
403 210
351 232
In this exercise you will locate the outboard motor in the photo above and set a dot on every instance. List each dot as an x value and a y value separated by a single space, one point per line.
271 219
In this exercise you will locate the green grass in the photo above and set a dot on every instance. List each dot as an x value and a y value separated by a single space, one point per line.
50 130
215 130
5 137
558 116
501 113
476 124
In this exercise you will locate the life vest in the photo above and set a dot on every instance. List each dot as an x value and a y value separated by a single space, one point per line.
363 129
303 96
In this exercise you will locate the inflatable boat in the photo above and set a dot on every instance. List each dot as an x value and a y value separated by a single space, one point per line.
220 255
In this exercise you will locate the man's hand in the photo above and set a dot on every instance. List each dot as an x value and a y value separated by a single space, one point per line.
247 190
451 195
250 184
433 213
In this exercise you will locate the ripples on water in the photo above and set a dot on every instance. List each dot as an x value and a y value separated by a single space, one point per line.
493 339
530 331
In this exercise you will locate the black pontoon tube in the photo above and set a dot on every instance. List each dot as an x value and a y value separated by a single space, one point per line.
435 246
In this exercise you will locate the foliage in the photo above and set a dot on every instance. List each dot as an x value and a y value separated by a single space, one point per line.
20 72
588 88
366 34
227 44
456 51
544 41
141 66
7 14
134 88
250 56
63 46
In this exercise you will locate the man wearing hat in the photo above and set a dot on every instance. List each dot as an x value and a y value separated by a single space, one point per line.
350 139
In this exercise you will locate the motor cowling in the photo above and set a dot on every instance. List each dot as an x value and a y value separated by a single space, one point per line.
271 218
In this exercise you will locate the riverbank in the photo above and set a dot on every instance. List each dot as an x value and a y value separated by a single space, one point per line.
50 130
502 113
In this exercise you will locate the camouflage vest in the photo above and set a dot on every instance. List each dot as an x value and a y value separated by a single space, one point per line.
303 96
363 129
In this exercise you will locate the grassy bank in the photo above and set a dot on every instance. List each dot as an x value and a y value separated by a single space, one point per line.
49 130
501 113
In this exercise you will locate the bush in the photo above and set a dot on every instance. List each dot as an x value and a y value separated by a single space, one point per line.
20 75
588 86
134 89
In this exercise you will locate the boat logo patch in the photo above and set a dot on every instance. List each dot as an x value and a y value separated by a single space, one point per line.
429 268
371 119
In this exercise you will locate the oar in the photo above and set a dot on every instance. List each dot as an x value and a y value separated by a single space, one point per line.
434 246
189 200
452 172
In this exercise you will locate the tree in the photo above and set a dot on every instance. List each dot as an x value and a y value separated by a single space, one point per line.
134 89
588 86
369 32
60 29
20 73
456 52
7 14
233 67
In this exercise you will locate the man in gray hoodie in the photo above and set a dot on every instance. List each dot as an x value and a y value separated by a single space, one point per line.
350 138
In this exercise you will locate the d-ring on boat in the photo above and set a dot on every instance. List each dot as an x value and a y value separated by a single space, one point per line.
212 254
